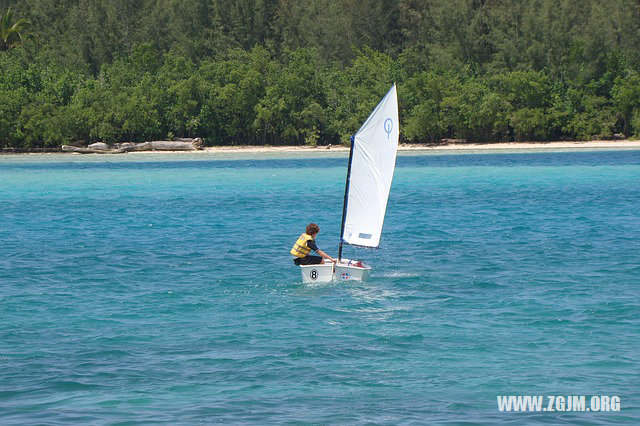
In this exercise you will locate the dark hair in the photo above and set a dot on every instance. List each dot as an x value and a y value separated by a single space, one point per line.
312 228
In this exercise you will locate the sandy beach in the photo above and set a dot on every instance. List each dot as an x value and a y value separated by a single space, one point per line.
563 145
403 147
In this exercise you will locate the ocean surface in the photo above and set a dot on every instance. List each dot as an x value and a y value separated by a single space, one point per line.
158 288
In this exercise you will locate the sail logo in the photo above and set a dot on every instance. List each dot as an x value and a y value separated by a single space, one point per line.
388 126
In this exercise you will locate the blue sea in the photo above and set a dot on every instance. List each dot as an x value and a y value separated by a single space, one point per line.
159 289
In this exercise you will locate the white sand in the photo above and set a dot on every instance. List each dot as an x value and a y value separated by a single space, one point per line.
448 147
298 151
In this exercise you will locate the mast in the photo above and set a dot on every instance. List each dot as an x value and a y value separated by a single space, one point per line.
346 196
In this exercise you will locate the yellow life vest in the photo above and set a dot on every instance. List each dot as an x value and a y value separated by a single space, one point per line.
300 248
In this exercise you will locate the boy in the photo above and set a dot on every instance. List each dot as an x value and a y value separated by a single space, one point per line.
305 244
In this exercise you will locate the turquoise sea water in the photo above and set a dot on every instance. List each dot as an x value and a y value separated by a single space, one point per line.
152 288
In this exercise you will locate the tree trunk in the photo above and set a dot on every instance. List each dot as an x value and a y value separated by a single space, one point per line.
100 148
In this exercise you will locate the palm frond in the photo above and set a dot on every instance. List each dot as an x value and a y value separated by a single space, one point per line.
12 34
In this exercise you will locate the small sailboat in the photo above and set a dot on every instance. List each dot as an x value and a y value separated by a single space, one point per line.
372 161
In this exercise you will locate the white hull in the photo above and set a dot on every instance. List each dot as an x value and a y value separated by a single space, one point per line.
322 273
346 270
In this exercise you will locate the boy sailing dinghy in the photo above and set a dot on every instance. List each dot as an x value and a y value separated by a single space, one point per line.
372 161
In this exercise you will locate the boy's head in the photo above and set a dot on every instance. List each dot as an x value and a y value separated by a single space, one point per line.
312 229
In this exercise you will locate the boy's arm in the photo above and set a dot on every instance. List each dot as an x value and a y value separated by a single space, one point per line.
312 245
325 255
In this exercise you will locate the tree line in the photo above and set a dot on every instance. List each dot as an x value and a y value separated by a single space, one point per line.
289 72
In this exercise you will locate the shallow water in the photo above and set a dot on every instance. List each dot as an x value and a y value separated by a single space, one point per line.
160 289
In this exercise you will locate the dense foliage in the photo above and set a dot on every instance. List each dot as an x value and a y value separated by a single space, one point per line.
309 72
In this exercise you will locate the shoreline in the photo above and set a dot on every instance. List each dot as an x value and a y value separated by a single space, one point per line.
599 144
402 147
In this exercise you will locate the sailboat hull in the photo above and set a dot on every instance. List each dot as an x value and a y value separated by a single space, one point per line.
322 273
346 270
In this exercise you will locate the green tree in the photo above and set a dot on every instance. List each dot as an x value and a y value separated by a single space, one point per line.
476 113
592 116
237 83
13 32
529 94
353 92
626 101
426 118
293 108
285 71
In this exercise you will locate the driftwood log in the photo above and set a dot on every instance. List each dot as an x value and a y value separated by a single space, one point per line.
182 144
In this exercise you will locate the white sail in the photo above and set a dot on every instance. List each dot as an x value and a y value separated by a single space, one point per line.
372 165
